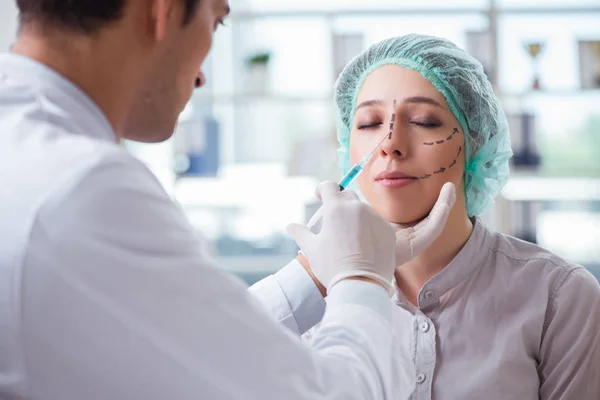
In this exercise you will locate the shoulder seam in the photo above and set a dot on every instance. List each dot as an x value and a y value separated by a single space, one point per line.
566 267
561 265
553 294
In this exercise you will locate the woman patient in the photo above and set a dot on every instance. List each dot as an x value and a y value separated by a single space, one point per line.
482 315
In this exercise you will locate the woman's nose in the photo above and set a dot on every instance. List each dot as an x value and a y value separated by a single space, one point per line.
393 145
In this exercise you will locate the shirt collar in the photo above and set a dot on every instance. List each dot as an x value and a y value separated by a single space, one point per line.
470 257
73 101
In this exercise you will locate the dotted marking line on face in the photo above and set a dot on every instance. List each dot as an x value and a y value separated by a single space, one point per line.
441 170
454 132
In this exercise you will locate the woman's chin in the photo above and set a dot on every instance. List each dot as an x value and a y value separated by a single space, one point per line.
405 219
403 210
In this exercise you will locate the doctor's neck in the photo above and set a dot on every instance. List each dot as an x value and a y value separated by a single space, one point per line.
412 276
102 64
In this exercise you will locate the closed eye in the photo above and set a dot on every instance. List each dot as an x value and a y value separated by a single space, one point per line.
371 125
428 125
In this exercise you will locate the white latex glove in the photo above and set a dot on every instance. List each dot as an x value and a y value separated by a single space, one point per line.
353 241
410 241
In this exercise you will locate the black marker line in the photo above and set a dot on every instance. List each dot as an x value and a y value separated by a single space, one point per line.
455 131
453 163
426 176
393 120
459 150
439 171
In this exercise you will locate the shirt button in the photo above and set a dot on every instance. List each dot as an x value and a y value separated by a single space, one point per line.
429 295
425 326
421 378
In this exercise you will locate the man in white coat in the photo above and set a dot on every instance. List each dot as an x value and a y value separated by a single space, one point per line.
106 291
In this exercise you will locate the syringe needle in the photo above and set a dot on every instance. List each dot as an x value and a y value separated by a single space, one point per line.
346 181
393 120
368 157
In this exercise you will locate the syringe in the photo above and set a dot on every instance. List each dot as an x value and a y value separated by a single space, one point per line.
346 181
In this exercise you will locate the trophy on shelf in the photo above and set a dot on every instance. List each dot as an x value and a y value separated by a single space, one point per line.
589 59
534 49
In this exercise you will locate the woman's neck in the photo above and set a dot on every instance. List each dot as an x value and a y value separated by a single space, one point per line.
411 277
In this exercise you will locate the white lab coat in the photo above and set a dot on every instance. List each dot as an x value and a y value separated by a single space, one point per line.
106 291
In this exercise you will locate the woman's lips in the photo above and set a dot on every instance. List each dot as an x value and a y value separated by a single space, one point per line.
394 179
395 183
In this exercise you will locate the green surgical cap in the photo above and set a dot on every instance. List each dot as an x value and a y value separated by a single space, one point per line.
461 80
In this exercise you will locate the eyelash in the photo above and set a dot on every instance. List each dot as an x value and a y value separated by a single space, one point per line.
370 126
430 125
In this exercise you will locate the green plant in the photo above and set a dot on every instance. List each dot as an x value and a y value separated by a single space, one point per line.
258 59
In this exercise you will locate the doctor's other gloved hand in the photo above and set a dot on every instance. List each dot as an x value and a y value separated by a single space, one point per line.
354 241
412 240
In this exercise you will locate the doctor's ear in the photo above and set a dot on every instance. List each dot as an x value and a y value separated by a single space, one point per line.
161 14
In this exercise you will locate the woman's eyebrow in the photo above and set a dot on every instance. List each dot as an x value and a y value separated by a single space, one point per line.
369 103
423 99
412 99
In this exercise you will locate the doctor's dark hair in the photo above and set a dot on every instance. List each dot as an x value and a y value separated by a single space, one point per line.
85 16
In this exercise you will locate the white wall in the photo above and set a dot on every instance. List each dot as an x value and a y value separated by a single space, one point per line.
8 23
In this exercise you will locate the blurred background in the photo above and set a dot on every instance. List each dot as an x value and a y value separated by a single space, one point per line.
252 145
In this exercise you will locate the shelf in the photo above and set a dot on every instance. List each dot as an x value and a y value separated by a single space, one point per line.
298 98
248 15
549 10
549 93
240 96
260 264
244 97
535 188
244 186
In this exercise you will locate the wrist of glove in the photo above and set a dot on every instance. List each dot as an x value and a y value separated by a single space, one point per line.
354 241
376 278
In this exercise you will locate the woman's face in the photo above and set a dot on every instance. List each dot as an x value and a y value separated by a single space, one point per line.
406 173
